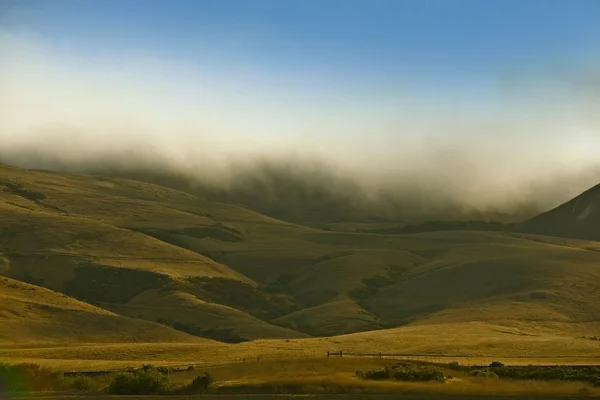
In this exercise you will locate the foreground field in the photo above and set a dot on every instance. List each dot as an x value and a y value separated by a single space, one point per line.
342 378
339 375
362 396
469 343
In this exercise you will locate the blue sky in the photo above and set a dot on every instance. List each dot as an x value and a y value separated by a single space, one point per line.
487 94
441 43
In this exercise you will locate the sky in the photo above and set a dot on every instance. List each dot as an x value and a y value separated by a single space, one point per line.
495 93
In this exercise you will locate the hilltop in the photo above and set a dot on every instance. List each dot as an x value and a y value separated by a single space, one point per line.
577 218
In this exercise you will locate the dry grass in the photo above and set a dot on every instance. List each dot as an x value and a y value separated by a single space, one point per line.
525 389
487 294
338 376
472 348
30 312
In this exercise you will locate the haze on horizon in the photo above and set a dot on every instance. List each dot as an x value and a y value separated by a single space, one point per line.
492 106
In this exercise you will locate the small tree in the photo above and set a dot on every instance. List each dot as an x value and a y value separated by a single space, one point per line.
201 383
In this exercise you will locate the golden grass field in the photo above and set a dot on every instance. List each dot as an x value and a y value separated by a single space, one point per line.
106 258
335 377
331 375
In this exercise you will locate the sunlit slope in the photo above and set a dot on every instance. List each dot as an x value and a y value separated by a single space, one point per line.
33 315
49 215
578 218
86 236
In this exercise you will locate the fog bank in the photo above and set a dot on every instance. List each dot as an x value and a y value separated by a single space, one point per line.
529 145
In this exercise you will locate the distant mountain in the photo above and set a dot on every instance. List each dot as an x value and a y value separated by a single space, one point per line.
578 218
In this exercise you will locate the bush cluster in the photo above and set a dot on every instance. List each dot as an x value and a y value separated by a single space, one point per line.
549 373
200 384
484 373
406 372
535 372
27 377
148 380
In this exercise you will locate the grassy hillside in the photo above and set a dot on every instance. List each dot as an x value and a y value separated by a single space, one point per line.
551 281
223 272
578 218
85 236
31 314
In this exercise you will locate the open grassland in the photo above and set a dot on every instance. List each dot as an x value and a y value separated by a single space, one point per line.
339 375
472 343
118 255
340 378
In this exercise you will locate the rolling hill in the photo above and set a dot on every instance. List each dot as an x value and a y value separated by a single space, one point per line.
577 218
141 254
28 311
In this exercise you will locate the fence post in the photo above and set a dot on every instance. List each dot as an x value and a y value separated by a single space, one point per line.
340 354
327 353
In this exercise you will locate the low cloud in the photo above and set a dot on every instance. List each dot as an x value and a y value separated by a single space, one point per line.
531 145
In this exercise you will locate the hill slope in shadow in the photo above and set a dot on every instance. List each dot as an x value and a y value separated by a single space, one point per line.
577 218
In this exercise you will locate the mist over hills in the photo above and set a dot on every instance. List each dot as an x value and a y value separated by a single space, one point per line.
189 206
312 192
310 151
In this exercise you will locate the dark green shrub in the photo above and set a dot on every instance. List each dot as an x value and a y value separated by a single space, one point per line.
454 365
81 383
27 377
200 384
484 373
378 374
407 372
496 364
410 372
547 373
148 380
